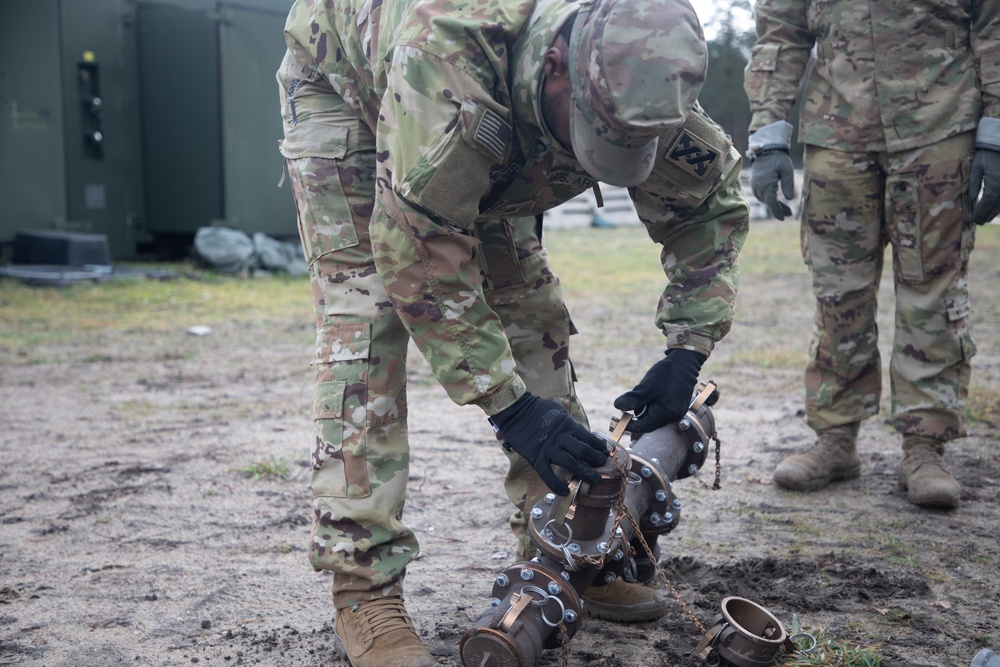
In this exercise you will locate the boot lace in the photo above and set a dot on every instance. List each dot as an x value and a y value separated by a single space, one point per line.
381 616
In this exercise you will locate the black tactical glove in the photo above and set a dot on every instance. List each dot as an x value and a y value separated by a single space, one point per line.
985 174
768 168
542 432
664 394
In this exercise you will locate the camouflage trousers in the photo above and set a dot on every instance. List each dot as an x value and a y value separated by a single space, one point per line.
854 205
360 455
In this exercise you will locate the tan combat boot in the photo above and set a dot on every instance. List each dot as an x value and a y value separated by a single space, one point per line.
379 633
624 602
923 476
834 457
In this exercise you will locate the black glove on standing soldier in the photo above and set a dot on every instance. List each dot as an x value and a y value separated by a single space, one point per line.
543 432
664 394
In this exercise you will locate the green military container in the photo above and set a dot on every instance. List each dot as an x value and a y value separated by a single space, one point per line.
141 120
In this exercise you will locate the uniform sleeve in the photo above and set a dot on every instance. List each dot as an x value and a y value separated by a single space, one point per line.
701 230
985 38
778 59
438 135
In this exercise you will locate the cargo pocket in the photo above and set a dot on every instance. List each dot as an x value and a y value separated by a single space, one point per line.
903 206
313 152
340 468
957 308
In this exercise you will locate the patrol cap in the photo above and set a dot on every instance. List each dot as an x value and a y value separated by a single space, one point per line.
636 67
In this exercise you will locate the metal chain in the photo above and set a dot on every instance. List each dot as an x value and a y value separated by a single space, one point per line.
663 577
718 462
624 512
565 643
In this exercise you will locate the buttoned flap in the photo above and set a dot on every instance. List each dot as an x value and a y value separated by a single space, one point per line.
764 57
344 341
310 139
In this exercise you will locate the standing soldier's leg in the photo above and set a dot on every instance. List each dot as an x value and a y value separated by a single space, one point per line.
360 455
932 236
843 245
522 289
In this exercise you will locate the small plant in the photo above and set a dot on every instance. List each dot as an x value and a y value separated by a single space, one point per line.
263 468
829 652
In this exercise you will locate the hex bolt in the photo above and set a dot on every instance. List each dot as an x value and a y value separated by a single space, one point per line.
550 498
495 602
698 447
684 424
668 517
692 469
646 471
610 577
655 518
569 616
536 513
602 547
661 495
502 580
656 462
564 574
554 588
676 503
619 554
547 533
527 574
574 548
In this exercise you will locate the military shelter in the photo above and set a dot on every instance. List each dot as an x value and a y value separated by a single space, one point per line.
143 120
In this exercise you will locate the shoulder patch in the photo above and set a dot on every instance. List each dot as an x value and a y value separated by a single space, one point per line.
693 154
486 130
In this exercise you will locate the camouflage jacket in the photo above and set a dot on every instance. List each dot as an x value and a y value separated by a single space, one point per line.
889 75
450 89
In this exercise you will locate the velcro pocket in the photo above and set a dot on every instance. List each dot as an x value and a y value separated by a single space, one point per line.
764 57
957 303
344 341
310 139
450 180
989 67
340 421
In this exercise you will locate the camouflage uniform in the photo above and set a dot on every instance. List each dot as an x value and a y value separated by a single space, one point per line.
888 116
419 161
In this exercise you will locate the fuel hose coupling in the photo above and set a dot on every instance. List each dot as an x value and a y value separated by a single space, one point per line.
586 538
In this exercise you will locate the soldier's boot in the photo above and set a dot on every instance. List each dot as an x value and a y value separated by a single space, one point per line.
379 633
923 476
623 601
834 457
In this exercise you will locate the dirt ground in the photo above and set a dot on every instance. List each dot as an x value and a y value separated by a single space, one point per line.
128 536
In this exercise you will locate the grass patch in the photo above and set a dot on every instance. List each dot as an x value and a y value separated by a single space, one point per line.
773 356
983 406
38 316
269 468
829 652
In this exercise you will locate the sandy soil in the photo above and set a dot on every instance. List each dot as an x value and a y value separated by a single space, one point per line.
127 535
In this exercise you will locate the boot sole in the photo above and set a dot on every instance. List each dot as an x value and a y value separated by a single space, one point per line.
818 483
631 614
944 501
338 646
